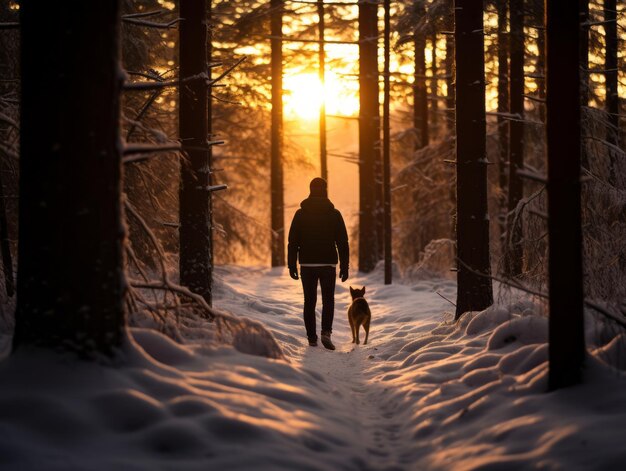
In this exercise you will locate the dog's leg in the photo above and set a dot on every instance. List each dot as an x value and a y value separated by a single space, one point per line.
351 324
357 327
366 326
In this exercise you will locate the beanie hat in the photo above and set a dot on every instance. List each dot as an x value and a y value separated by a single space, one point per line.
318 187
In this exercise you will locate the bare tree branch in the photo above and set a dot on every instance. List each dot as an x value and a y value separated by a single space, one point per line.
152 24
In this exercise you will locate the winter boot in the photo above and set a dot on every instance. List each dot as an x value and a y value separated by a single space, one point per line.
326 341
312 342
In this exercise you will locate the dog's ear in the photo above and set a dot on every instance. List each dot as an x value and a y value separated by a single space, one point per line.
363 289
351 290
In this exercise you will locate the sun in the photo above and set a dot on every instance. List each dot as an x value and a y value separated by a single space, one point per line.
304 96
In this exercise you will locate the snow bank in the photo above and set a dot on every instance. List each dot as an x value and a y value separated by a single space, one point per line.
425 393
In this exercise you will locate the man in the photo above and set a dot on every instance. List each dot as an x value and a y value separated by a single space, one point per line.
317 232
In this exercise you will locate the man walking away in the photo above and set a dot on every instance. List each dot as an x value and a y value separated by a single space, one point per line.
317 232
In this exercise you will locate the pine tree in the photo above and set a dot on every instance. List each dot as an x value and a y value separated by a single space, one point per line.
196 264
277 192
70 280
369 138
563 132
474 290
611 76
515 253
503 107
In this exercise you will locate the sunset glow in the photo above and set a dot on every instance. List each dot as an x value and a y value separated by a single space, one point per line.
304 95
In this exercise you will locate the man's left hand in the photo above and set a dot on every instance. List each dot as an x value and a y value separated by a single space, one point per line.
343 274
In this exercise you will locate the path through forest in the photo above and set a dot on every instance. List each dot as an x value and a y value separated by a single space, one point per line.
425 393
361 384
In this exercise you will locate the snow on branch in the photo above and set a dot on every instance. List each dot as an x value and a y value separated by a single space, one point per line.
139 152
165 84
133 149
212 188
228 70
152 24
157 85
144 14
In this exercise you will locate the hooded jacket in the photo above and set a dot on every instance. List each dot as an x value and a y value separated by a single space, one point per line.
317 232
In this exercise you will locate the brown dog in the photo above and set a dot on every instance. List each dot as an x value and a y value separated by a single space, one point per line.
359 314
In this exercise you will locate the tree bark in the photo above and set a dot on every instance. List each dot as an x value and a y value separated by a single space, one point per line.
450 85
612 98
434 85
5 245
541 62
387 145
563 130
276 166
515 253
70 282
196 264
369 137
583 6
322 76
420 95
474 290
503 107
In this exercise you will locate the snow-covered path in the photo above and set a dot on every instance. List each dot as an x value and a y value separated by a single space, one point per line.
376 423
425 393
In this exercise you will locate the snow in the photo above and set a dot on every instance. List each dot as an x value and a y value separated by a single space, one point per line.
425 393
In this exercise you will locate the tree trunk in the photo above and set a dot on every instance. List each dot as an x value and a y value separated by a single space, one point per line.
515 253
5 245
368 135
541 62
474 291
584 72
276 166
503 107
322 75
386 145
612 97
70 282
434 86
196 265
450 85
420 95
567 340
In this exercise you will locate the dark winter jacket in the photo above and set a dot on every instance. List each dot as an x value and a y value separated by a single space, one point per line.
317 232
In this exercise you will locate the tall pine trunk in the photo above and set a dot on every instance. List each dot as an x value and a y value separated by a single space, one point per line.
420 92
196 264
514 258
474 290
503 107
321 26
450 84
387 143
276 159
583 6
5 246
434 85
612 98
563 130
369 135
70 282
541 59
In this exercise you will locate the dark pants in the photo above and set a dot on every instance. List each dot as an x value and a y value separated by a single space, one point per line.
326 277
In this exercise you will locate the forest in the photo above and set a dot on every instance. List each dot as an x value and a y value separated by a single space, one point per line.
158 163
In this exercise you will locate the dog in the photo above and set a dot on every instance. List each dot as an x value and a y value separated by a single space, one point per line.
359 314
